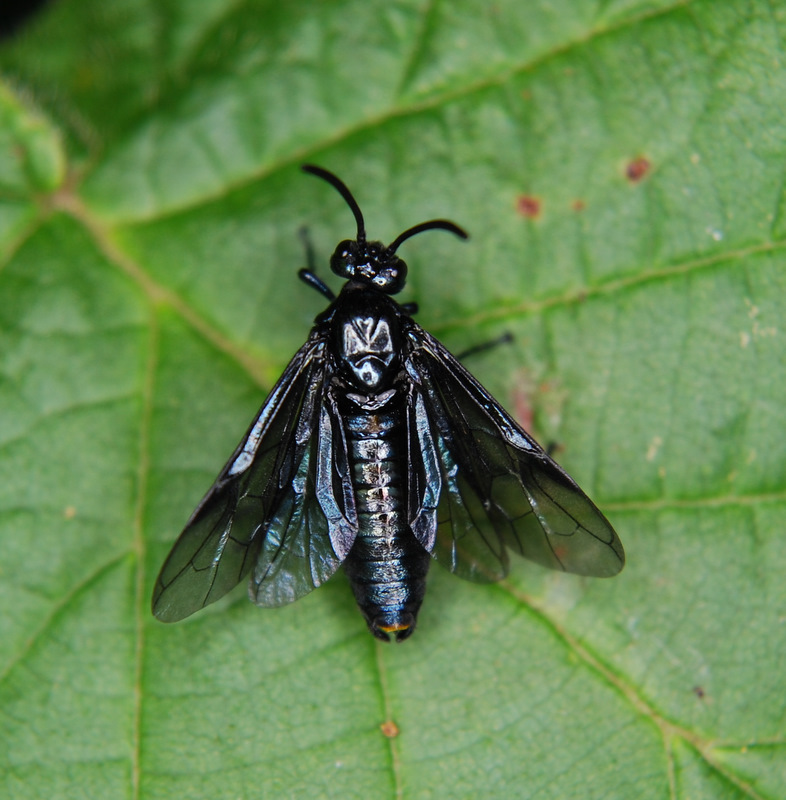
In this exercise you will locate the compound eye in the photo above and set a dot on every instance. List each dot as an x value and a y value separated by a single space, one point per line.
343 260
391 279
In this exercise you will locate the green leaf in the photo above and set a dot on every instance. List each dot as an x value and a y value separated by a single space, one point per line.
620 168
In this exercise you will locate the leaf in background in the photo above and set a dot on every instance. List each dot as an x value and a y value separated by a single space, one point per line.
620 167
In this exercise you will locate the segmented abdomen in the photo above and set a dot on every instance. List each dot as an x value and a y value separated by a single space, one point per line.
386 566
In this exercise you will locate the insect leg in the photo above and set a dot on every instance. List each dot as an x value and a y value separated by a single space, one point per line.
316 283
505 338
308 274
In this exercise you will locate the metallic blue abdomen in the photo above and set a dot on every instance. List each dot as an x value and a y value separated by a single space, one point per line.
386 566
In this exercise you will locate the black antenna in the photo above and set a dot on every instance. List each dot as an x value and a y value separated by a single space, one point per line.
342 189
434 224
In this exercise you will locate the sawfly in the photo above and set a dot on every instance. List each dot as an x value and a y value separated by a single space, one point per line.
377 450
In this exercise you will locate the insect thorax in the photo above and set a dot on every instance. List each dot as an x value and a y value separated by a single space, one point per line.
366 332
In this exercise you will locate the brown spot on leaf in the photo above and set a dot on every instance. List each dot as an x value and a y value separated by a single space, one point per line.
389 729
578 205
637 169
523 390
528 206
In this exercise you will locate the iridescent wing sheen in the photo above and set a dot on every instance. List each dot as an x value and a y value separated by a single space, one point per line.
496 487
272 508
315 524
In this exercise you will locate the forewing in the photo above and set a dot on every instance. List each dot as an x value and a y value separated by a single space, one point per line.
314 526
446 515
253 511
499 488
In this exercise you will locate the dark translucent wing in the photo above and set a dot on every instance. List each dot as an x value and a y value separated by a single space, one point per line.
498 488
263 509
314 526
446 515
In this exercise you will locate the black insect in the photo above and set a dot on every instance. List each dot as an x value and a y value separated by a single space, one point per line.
379 451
